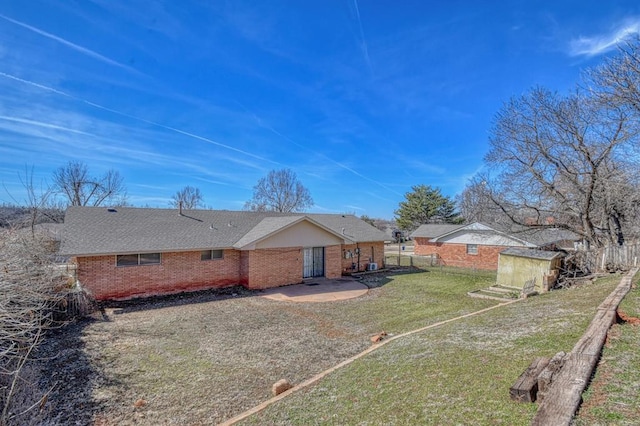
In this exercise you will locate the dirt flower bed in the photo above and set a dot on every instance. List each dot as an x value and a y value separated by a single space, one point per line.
205 357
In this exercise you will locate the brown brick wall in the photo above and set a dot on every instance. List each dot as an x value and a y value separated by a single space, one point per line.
244 268
456 254
274 267
332 262
369 252
184 271
181 271
422 246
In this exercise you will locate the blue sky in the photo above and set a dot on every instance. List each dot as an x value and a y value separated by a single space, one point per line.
362 99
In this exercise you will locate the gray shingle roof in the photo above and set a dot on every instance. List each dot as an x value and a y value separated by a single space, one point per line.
532 235
531 253
546 236
434 230
98 230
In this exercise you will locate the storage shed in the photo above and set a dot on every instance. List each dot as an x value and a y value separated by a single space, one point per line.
517 266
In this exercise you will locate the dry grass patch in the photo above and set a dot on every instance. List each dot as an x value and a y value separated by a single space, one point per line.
206 360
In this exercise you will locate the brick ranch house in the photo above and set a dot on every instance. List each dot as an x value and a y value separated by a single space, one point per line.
478 246
126 252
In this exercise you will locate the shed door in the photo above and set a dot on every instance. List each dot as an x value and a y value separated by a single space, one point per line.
313 262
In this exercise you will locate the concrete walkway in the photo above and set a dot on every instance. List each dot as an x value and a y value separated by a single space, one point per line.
318 290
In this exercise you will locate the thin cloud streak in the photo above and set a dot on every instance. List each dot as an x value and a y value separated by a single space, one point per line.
42 124
143 120
83 50
597 45
360 175
364 47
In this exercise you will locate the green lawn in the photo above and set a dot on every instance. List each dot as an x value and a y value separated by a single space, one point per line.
459 373
205 358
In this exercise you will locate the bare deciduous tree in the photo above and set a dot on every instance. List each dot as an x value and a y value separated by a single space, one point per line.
79 188
280 191
38 205
617 80
28 296
476 204
557 157
189 196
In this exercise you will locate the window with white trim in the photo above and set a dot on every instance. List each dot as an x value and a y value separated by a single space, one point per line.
138 259
211 254
472 249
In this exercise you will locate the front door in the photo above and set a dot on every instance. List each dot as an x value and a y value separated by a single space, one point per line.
313 262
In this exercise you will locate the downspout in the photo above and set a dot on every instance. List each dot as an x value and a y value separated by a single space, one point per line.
358 251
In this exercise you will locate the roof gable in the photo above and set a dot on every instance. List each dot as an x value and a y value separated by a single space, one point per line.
270 227
478 233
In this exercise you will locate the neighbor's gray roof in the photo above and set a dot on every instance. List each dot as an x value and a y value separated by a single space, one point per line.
98 230
531 253
534 235
434 230
546 236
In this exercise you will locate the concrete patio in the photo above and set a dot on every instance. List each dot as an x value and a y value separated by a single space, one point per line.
318 290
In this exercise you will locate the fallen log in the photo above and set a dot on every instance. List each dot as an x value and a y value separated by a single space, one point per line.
565 394
550 371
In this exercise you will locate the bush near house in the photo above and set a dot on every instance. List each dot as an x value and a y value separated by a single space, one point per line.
30 293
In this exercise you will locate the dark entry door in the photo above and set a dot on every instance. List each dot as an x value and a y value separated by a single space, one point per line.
313 264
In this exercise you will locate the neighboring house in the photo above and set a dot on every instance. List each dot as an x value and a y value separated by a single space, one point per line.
478 246
131 252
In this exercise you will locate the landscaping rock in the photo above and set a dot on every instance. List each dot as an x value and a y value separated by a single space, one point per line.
378 337
280 386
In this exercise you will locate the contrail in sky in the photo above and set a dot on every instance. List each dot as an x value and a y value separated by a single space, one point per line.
198 137
274 131
365 49
83 50
143 120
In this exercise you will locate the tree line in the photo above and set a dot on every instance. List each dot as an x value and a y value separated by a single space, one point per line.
74 185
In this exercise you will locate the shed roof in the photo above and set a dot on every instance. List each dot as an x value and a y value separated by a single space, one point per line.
531 253
98 230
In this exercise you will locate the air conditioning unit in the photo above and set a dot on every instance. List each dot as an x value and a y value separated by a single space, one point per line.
372 267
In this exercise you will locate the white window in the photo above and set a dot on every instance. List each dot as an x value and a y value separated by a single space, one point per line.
138 259
211 254
472 249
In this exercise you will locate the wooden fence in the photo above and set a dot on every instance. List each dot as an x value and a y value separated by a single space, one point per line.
618 257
